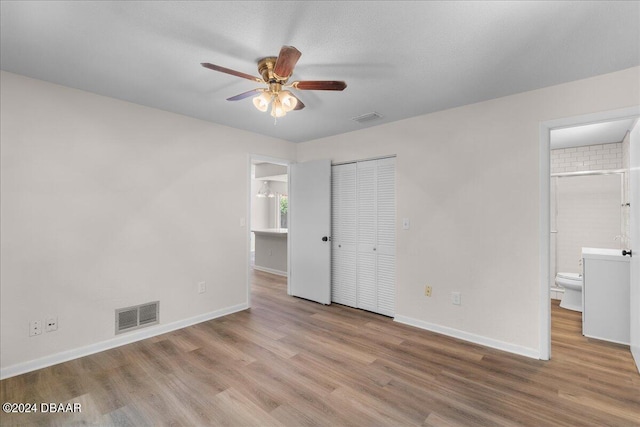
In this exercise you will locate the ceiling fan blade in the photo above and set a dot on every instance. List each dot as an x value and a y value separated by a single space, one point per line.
299 105
244 95
230 71
287 59
319 85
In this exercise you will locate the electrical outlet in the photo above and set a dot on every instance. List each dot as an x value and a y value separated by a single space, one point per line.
427 291
202 287
455 298
51 324
35 328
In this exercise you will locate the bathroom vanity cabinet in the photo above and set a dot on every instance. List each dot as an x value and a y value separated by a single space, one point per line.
606 292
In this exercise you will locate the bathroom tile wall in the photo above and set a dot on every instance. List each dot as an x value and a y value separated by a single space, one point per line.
587 158
587 215
626 165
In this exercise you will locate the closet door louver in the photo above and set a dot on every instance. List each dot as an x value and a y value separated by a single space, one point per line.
343 234
367 232
386 236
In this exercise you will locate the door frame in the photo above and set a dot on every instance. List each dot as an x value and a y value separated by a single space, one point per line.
278 161
546 127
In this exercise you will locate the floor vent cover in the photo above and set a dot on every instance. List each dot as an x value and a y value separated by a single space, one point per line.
367 117
136 317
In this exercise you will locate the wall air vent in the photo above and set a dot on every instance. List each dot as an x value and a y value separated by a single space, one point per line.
365 118
136 317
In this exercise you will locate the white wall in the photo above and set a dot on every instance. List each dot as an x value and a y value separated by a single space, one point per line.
468 179
259 206
108 204
263 213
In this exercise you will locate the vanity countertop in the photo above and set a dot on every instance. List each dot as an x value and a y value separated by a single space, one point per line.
604 254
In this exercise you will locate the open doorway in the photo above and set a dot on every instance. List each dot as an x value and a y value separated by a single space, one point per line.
268 246
580 157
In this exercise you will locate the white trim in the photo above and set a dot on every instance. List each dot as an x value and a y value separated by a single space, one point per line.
544 301
467 336
606 339
270 270
247 223
54 359
390 156
544 332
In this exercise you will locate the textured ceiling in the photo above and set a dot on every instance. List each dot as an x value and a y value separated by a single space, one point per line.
400 59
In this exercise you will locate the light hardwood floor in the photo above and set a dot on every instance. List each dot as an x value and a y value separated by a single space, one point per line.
292 362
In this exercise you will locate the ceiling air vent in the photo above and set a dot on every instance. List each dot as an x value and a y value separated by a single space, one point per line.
139 316
365 118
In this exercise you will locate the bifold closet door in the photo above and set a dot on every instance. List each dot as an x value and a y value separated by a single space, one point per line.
367 233
386 236
363 235
376 236
343 234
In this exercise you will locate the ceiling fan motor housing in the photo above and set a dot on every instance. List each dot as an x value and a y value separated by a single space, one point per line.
265 68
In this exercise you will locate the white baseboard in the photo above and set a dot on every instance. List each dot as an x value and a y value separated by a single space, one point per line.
467 336
270 270
609 340
54 359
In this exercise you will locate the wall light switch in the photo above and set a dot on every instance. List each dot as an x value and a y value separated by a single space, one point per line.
455 298
202 287
405 223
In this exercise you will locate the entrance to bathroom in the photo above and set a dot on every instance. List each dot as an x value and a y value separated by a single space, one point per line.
589 182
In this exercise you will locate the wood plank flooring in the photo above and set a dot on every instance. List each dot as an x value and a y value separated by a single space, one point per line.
291 362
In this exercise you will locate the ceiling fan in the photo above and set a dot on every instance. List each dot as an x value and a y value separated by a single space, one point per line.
275 72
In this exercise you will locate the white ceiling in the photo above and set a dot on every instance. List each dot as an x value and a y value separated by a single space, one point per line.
592 134
400 59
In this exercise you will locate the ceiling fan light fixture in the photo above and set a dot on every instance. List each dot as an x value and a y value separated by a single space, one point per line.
262 101
275 72
277 109
287 100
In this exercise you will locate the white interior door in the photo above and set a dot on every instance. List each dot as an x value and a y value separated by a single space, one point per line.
309 230
634 234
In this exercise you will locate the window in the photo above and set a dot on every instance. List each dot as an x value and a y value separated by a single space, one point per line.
282 209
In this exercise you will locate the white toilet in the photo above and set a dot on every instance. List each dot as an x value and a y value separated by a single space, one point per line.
572 285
